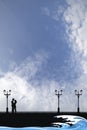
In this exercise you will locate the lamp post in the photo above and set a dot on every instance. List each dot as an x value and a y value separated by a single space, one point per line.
78 93
7 94
58 94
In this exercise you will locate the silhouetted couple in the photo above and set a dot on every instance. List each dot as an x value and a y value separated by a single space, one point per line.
13 104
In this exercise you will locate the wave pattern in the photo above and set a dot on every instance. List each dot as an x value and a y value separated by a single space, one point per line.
70 122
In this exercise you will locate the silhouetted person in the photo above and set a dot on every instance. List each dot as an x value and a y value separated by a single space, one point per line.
13 104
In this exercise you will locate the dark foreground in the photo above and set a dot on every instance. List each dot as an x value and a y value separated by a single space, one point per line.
43 119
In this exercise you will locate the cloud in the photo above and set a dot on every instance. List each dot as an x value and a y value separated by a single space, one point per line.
32 94
75 16
30 67
76 19
38 95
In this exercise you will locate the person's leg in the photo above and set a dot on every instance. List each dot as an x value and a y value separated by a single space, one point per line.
15 109
12 109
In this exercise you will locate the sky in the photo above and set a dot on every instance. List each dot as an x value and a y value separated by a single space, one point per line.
42 48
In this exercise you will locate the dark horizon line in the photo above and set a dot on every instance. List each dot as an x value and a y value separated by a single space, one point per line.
45 112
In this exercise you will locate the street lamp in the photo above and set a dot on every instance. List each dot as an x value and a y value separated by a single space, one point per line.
58 94
78 93
7 94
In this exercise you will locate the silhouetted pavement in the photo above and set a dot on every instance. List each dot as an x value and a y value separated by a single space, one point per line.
24 119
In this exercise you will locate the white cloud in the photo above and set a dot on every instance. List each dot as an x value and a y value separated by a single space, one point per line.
33 95
75 17
29 97
76 24
30 94
30 66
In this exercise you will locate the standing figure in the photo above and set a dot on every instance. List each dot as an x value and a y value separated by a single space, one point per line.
13 104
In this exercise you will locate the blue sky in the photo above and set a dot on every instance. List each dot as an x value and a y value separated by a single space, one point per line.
42 47
26 29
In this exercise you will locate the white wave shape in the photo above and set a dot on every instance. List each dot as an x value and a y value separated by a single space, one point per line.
70 121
